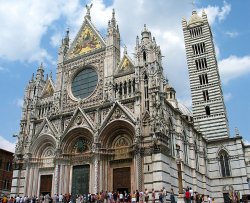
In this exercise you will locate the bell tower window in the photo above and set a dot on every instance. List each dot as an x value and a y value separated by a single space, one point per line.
207 108
146 92
144 56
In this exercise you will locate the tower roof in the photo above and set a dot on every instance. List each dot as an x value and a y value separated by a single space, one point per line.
195 20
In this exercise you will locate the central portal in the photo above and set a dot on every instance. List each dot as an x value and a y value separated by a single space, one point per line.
121 179
80 180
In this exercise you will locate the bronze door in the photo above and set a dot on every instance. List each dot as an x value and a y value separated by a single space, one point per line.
80 180
46 184
121 179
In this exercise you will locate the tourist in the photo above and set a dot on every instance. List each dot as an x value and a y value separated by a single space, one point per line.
146 195
121 197
172 197
133 197
209 200
115 197
164 194
153 195
187 196
137 196
191 194
141 195
161 196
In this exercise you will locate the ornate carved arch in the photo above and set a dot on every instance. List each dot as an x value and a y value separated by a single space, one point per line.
78 140
115 129
43 143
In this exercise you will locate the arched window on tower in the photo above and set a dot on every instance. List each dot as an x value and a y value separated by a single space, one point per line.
144 56
129 86
116 90
146 92
224 163
186 151
207 109
172 138
120 90
125 88
34 93
196 149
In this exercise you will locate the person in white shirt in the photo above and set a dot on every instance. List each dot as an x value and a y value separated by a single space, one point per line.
191 194
60 198
209 200
18 199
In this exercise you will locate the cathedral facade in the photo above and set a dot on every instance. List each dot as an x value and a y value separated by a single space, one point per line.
109 122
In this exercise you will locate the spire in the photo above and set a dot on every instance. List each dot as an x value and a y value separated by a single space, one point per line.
88 11
113 20
237 134
50 75
137 41
40 72
66 38
145 33
125 50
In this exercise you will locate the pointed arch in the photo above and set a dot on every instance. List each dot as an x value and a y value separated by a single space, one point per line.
224 164
115 129
186 148
172 137
144 55
42 145
196 151
70 140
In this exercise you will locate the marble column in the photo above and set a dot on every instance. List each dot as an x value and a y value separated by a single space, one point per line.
96 172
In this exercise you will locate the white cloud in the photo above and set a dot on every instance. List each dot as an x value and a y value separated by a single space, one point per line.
216 13
25 24
234 67
6 144
232 34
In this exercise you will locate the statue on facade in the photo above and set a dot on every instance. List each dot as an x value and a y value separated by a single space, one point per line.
88 9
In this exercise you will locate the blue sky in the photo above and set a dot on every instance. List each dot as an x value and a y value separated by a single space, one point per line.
31 31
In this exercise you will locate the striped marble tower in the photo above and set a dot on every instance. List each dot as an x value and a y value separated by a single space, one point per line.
209 111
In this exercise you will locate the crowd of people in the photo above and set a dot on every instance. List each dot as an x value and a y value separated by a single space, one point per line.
146 196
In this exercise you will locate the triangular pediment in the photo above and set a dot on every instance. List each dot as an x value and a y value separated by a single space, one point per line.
87 40
45 127
118 111
79 119
126 64
48 89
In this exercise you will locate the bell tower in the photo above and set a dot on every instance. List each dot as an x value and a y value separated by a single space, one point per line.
209 111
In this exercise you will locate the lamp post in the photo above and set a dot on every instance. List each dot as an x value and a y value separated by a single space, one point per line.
180 185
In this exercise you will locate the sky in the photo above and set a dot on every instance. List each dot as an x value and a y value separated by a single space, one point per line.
31 33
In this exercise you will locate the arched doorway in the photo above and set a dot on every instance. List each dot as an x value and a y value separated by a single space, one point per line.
76 147
118 138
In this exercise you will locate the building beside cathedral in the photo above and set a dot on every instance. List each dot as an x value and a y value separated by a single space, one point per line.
109 122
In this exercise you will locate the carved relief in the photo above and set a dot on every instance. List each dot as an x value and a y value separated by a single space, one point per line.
78 120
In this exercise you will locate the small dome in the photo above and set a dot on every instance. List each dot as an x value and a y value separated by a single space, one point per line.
185 110
145 33
195 20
